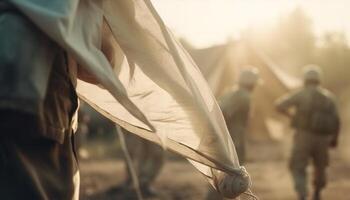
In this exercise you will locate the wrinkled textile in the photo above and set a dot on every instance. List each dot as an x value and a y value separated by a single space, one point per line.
169 89
155 90
76 26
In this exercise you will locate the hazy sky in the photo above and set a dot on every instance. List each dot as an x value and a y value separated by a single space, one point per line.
207 22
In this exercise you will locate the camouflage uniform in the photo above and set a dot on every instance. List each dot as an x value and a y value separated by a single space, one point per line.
235 107
147 157
308 144
37 104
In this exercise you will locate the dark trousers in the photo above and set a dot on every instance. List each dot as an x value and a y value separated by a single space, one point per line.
34 167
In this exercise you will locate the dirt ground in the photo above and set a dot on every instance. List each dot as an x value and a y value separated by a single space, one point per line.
180 181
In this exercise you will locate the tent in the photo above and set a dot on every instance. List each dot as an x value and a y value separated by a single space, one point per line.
221 65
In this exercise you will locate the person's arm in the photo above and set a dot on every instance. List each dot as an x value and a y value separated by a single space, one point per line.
334 140
284 104
223 104
229 105
84 75
108 50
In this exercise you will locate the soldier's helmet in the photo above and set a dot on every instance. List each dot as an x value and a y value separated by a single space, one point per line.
249 76
312 73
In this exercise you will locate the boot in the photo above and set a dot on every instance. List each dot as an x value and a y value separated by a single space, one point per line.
302 197
148 191
317 195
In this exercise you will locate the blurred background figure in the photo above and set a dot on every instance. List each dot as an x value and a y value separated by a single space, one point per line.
235 106
97 138
93 132
316 122
84 120
147 161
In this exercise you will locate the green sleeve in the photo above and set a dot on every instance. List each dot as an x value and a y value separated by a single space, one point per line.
288 101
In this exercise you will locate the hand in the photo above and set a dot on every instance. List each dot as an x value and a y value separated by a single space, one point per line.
288 114
108 48
86 76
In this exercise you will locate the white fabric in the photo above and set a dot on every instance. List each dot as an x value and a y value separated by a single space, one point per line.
76 26
155 90
231 186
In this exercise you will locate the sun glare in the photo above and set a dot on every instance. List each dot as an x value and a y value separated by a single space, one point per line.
206 22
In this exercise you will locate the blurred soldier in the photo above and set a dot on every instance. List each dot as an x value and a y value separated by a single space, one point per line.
38 103
82 131
148 159
236 107
316 121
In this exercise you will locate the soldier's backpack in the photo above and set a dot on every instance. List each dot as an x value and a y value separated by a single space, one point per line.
324 119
